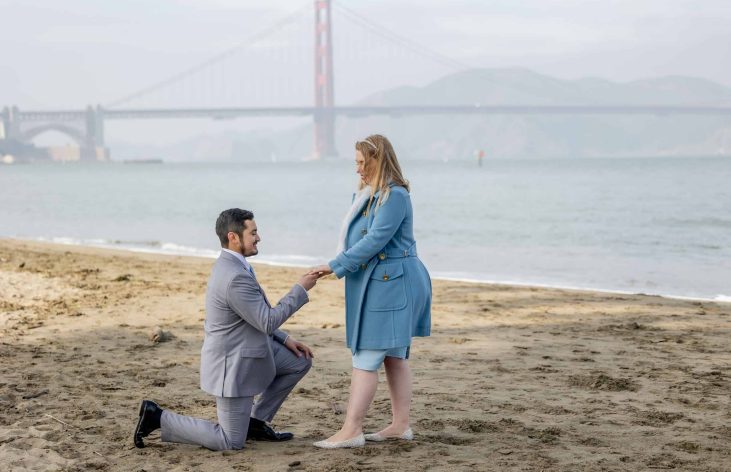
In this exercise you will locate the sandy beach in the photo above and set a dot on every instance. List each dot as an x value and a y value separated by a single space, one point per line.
513 378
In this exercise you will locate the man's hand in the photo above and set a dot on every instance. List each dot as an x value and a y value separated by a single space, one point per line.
298 348
321 270
308 281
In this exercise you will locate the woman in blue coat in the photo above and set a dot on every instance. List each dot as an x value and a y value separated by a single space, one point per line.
387 291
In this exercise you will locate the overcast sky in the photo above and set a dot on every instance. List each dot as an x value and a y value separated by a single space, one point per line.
60 53
74 52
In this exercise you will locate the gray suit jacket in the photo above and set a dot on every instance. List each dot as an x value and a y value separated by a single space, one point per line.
236 358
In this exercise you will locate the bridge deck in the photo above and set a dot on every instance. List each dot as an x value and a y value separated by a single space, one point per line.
475 109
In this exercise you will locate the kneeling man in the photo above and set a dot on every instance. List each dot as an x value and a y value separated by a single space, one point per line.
244 353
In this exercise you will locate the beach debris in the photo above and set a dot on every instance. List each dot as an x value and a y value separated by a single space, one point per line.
159 336
123 278
337 408
21 265
56 419
294 463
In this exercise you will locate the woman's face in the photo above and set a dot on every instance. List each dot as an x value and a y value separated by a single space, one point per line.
362 168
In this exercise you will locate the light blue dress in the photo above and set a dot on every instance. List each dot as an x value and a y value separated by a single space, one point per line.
387 288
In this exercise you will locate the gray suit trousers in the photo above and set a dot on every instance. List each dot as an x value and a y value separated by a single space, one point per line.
229 433
234 413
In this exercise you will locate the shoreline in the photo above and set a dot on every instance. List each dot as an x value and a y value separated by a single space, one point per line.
179 250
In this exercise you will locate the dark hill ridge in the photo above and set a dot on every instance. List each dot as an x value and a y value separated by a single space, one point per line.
520 86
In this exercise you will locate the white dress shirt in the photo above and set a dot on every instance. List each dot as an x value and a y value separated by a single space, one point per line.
238 256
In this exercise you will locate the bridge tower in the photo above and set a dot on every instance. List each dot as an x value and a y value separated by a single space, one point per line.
93 148
11 123
324 85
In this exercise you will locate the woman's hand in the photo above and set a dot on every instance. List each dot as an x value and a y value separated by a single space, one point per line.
321 270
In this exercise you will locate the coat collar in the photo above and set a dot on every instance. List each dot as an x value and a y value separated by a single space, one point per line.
355 214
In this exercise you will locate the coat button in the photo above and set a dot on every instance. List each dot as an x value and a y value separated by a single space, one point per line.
382 256
364 231
365 212
363 266
385 277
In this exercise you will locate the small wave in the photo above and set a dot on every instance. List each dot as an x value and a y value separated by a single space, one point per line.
146 246
723 298
172 248
71 241
137 243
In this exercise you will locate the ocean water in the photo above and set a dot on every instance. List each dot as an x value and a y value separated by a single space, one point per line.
656 226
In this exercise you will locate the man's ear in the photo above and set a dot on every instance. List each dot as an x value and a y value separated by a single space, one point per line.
231 238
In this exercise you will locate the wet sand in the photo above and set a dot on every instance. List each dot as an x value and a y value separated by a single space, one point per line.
513 378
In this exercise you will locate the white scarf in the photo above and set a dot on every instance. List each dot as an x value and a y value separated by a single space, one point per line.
360 199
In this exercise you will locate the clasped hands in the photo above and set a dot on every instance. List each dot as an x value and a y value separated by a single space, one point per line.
320 271
311 277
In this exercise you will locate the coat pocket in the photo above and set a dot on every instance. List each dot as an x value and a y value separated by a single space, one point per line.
257 352
386 288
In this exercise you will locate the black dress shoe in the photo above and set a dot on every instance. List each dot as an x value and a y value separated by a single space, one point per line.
260 431
149 421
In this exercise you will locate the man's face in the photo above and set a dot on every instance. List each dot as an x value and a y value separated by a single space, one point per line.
246 245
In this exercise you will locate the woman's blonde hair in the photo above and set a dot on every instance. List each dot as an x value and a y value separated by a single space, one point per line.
380 156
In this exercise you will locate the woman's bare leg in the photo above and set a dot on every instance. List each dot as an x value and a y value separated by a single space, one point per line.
363 385
399 378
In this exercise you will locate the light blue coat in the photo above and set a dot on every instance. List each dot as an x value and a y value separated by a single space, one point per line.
387 288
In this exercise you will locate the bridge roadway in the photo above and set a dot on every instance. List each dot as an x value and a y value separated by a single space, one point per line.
356 111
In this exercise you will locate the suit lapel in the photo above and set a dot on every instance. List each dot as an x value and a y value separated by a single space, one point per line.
261 289
238 263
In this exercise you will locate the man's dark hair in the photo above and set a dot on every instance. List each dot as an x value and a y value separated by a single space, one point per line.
233 219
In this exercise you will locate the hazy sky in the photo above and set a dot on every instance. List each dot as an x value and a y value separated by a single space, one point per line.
74 52
60 53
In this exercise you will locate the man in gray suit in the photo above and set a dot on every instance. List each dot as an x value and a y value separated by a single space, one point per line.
244 353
